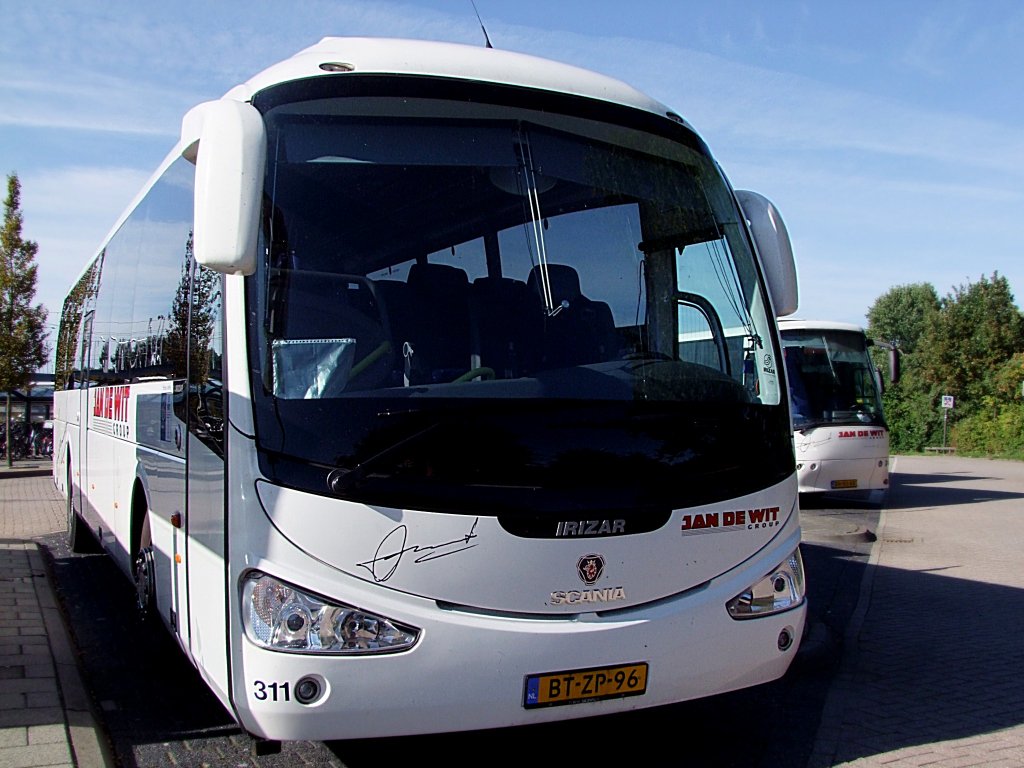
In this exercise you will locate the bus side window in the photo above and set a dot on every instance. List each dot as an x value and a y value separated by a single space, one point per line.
700 339
799 400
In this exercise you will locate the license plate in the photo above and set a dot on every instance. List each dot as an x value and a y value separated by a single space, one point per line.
844 483
578 685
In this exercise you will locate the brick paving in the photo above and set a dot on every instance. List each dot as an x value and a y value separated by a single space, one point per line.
932 660
931 672
45 714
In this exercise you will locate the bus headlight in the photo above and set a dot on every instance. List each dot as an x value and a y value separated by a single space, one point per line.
279 616
779 591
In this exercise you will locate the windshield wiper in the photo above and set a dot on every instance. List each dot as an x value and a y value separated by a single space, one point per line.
340 479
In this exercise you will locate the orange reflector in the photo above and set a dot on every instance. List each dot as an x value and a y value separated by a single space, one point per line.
176 519
177 558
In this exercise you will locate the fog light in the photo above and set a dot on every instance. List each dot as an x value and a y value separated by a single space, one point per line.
308 690
786 639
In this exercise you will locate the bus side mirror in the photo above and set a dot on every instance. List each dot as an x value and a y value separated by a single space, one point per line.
771 238
227 142
894 365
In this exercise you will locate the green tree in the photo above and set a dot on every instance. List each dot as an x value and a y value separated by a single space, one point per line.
997 427
977 330
967 345
900 317
23 348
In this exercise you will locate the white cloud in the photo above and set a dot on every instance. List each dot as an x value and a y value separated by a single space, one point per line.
95 101
876 191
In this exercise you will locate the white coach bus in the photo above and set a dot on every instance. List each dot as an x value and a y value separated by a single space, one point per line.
377 392
839 431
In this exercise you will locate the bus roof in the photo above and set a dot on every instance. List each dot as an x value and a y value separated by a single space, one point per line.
796 324
334 55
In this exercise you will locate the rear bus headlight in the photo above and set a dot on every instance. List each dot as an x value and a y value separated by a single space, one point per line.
282 617
781 590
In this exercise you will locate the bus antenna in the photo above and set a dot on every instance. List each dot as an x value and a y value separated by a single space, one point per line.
486 38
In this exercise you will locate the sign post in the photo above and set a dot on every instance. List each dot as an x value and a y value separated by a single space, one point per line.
947 404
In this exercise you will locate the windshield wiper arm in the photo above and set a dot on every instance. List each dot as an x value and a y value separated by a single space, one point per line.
340 479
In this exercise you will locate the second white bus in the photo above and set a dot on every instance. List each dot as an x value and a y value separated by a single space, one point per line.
378 394
839 431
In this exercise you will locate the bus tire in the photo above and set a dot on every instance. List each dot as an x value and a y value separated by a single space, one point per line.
144 574
76 534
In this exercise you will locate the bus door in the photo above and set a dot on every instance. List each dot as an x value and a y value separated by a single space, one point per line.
79 416
204 559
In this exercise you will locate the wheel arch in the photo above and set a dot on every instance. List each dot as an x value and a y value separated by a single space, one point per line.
139 515
66 474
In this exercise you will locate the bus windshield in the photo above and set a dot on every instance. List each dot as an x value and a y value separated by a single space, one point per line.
456 309
832 378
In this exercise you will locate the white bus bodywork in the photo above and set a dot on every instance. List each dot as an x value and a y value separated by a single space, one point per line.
485 614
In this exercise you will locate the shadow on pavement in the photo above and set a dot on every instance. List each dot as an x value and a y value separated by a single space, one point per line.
155 708
907 498
157 711
939 658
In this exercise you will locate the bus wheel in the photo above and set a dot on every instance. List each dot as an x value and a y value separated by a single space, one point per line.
76 530
144 575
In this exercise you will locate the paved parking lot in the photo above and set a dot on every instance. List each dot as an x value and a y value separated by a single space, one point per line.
931 668
929 673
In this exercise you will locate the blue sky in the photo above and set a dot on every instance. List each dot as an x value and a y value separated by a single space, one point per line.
889 134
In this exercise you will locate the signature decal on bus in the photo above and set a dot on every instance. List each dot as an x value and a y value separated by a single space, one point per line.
871 433
590 527
737 520
393 547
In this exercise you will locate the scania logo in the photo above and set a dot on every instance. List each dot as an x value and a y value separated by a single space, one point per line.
590 567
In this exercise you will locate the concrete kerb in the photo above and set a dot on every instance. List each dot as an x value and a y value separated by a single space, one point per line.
33 469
